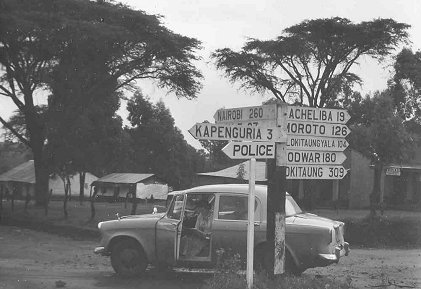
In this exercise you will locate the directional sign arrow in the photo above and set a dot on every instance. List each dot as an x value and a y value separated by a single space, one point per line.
315 172
313 114
247 150
317 129
250 113
314 157
210 131
315 143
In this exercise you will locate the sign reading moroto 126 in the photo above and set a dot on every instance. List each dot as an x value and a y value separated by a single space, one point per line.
210 131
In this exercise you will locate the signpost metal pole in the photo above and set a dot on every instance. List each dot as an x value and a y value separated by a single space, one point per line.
250 227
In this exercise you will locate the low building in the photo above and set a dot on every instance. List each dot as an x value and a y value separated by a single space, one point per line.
21 180
118 185
401 183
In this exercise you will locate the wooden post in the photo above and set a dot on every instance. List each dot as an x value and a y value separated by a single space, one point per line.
275 232
250 223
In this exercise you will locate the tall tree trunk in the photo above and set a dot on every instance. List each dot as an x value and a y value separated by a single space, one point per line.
1 201
93 197
82 176
37 138
375 193
134 204
66 194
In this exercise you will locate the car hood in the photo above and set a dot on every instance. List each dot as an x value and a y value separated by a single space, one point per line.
132 221
308 219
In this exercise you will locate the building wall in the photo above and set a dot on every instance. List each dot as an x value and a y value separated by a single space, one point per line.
361 181
56 184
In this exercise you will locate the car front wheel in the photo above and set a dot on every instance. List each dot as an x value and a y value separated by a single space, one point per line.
128 258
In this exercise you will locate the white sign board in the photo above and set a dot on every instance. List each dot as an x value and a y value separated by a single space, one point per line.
313 114
315 172
247 150
317 129
314 157
393 171
210 131
251 113
314 143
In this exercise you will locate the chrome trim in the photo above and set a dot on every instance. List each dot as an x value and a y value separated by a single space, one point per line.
99 250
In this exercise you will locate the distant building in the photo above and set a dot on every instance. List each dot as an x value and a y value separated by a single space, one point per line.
401 183
117 185
22 178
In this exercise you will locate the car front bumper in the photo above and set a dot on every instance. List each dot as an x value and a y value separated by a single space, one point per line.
340 251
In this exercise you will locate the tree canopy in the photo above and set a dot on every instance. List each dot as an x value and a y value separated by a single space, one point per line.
310 62
377 131
38 35
406 85
158 145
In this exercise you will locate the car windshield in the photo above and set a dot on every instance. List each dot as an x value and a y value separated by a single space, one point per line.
291 207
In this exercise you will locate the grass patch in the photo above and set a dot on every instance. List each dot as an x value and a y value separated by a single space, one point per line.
227 276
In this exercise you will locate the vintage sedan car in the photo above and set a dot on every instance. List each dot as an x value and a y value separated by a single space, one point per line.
174 238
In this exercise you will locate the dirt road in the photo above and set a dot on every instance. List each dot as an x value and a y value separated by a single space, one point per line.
30 259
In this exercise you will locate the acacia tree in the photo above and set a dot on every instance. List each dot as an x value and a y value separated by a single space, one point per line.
36 34
310 62
406 85
379 133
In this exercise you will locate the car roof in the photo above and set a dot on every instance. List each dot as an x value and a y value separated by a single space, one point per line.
224 188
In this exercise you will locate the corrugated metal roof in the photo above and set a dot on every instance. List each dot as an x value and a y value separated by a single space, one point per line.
232 172
123 178
24 173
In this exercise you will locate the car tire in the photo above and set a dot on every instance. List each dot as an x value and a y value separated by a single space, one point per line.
128 258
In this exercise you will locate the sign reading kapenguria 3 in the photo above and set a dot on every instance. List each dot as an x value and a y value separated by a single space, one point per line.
209 131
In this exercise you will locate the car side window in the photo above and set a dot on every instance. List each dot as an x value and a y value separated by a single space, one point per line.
234 207
174 211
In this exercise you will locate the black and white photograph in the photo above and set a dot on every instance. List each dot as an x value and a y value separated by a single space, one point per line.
209 144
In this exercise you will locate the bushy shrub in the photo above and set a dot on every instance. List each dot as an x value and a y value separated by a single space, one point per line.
381 231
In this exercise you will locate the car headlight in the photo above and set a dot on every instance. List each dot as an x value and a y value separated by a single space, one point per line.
99 225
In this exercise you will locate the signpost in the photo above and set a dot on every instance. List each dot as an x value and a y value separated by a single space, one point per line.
315 114
306 172
316 143
210 131
246 150
314 157
298 142
242 114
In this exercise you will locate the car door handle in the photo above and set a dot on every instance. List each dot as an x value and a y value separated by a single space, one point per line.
256 224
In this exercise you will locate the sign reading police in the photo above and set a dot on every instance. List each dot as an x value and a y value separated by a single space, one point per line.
247 150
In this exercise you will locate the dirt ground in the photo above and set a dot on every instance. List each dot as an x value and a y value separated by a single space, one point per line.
31 259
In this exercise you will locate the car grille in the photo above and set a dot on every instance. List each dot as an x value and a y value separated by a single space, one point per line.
339 233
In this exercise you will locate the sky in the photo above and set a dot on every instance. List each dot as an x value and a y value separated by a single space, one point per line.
229 23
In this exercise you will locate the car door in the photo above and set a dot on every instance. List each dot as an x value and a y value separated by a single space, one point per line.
168 232
196 237
230 224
